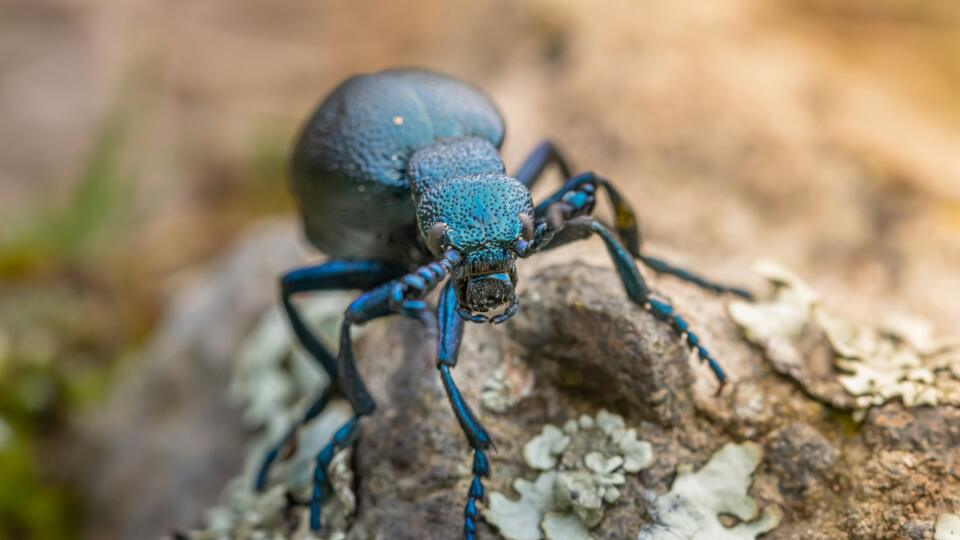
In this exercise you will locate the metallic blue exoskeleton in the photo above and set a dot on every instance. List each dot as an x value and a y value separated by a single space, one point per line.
399 180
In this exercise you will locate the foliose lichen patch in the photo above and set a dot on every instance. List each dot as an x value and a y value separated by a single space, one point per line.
947 527
896 358
274 381
691 510
583 465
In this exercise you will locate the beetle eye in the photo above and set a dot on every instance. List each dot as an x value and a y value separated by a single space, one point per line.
520 247
527 231
436 237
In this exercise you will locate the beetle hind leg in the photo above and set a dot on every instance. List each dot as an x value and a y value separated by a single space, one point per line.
315 408
343 437
662 267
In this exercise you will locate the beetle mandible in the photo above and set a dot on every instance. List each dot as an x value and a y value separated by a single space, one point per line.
399 180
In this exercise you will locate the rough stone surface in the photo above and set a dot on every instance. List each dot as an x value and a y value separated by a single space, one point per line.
801 458
584 335
180 435
576 346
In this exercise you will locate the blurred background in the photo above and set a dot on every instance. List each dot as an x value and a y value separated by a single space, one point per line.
141 139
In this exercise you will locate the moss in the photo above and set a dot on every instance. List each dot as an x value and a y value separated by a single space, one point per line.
29 506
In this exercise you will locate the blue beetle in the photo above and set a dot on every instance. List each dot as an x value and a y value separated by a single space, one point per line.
399 180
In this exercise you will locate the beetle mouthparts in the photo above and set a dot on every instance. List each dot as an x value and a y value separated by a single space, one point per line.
503 316
486 292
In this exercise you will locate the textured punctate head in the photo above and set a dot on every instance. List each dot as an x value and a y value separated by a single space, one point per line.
483 217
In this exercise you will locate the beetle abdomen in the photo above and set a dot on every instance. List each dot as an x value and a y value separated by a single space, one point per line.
349 166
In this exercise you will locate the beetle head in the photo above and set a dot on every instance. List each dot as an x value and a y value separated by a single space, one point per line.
485 218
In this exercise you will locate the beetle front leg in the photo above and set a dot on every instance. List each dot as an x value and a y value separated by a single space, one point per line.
448 346
408 292
632 280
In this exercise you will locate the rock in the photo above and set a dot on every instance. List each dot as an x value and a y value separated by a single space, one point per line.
583 335
905 474
576 350
922 429
162 448
801 458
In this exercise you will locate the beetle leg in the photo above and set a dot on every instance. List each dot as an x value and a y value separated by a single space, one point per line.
635 285
450 325
335 274
625 222
407 293
315 408
344 436
374 304
539 159
662 267
479 441
563 202
451 332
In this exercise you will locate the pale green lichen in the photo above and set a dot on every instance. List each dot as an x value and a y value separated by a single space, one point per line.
691 510
897 358
274 381
497 395
564 527
543 450
893 360
583 464
947 527
506 386
520 519
785 315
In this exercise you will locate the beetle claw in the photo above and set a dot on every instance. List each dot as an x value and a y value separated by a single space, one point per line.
472 317
509 312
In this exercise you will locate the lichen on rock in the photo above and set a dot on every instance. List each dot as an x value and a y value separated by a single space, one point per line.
893 360
897 358
584 464
274 380
947 527
691 509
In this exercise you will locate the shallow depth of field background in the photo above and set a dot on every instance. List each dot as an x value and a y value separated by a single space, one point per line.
139 138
